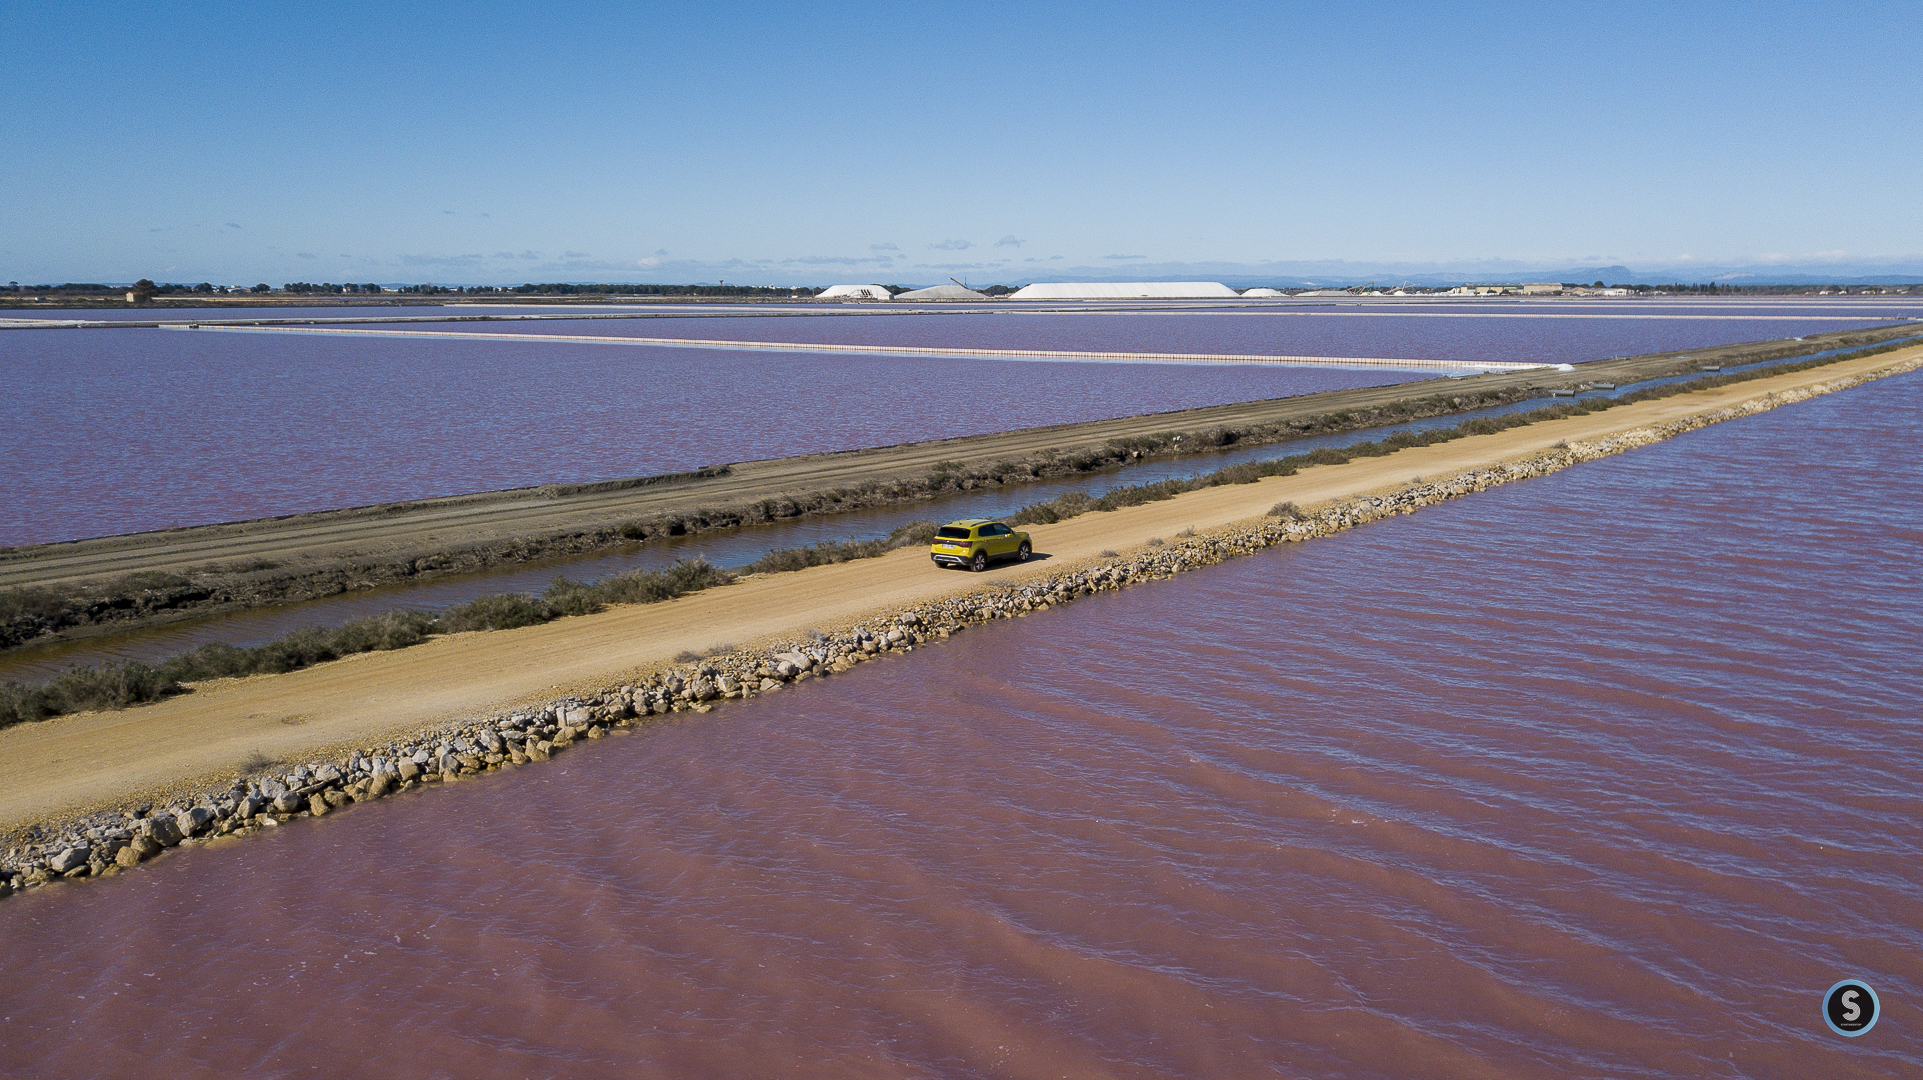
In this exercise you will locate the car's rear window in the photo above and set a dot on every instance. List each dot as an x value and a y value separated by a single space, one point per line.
950 532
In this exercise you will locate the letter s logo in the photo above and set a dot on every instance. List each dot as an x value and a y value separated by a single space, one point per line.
1850 1008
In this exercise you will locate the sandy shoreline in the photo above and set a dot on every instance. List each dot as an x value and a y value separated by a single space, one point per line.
70 764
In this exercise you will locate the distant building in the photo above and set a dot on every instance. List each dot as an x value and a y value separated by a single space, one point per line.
1541 288
854 292
942 292
1263 292
1126 290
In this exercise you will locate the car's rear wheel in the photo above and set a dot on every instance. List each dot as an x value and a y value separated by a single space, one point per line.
981 561
1022 552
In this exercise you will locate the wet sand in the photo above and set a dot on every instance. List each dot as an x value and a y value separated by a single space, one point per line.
74 763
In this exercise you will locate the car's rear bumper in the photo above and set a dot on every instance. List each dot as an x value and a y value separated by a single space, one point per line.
950 560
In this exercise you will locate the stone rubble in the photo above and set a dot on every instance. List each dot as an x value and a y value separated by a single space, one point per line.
110 842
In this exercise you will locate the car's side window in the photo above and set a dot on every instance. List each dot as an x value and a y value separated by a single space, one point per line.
995 530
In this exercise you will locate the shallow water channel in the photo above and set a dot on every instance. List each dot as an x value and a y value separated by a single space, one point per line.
732 548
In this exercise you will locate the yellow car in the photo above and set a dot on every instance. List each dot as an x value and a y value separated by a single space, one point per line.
972 542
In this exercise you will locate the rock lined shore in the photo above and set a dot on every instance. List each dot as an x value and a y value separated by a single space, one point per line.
111 842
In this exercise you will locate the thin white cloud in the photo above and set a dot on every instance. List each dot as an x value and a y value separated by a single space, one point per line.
1011 240
830 260
883 247
465 261
951 245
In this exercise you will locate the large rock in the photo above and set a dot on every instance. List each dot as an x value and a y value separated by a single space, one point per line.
796 660
164 831
194 820
327 774
577 717
317 805
71 859
273 789
409 770
288 803
490 741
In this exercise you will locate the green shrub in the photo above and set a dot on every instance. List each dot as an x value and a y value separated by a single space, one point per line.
31 601
505 611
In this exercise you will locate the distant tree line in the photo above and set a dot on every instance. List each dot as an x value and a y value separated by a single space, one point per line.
146 289
569 289
304 287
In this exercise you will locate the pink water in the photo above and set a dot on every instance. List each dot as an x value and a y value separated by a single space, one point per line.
1607 774
116 431
125 430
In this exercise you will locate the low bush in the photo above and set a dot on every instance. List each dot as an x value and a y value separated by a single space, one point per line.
913 534
503 612
32 601
107 686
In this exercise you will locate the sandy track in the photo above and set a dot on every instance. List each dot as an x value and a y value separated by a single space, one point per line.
76 762
403 531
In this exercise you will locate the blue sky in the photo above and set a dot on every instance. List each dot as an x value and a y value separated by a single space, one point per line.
807 144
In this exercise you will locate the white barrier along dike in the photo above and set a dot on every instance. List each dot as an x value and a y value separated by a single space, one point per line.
907 350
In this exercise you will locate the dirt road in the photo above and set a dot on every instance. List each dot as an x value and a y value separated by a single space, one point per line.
75 762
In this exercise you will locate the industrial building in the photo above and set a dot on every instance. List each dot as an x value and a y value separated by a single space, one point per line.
1126 290
1246 293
